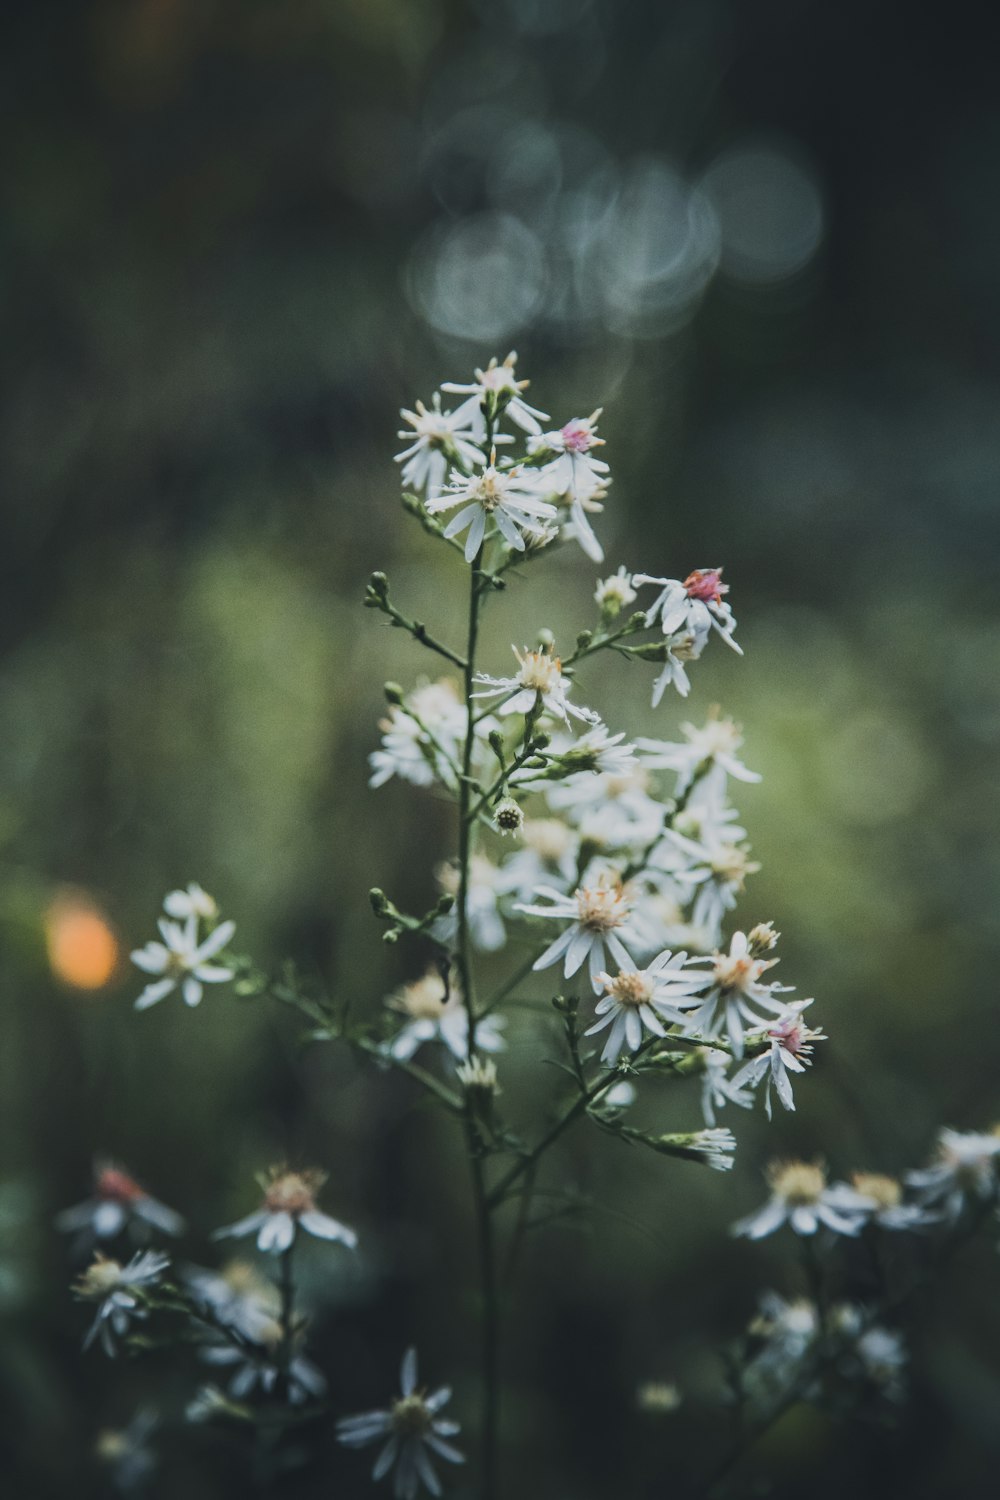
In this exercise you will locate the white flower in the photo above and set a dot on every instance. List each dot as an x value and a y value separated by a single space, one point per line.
576 474
883 1359
801 1198
485 887
596 750
714 1148
238 1296
683 646
496 380
614 593
787 1330
718 867
713 747
436 1015
734 985
595 914
112 1286
539 685
887 1209
789 1048
717 1088
439 439
118 1203
289 1205
965 1168
411 1431
549 851
505 496
183 960
694 605
421 738
192 902
126 1450
261 1368
638 1000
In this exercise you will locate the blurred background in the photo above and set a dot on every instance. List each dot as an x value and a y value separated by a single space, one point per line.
237 237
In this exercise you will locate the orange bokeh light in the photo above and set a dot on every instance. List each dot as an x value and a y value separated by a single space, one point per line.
83 950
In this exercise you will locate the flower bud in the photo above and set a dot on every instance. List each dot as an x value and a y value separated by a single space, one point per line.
507 816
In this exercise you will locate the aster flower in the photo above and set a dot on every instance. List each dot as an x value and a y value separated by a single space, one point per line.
789 1048
734 986
596 750
538 686
237 1295
118 1203
193 901
678 649
888 1210
717 1088
696 605
504 496
548 852
257 1367
434 1014
802 1198
437 440
182 960
114 1288
486 885
496 381
576 474
964 1169
422 737
713 746
289 1205
717 865
126 1452
614 593
596 915
411 1432
640 1000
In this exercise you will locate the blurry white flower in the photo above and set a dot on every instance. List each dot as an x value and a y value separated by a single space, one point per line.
548 851
576 474
614 593
717 1088
112 1286
658 1397
790 1044
261 1366
432 1014
496 380
289 1205
887 1209
965 1168
485 887
680 647
802 1198
182 960
422 737
506 497
595 915
118 1203
539 684
717 867
411 1432
126 1452
437 440
192 902
694 605
883 1359
713 747
238 1296
638 1000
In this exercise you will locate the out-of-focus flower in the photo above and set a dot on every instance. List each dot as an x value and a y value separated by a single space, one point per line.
538 686
965 1168
614 593
113 1287
888 1210
238 1296
710 751
191 902
118 1203
183 960
260 1368
434 1013
126 1451
802 1198
506 497
289 1205
486 885
658 1397
437 439
411 1432
717 1089
596 915
421 737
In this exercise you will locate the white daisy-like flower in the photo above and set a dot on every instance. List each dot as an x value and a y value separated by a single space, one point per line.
113 1287
539 684
786 1331
640 1000
717 865
802 1199
485 887
965 1168
734 987
498 380
597 750
507 497
577 475
681 647
411 1432
613 594
437 439
118 1203
713 746
126 1451
289 1205
237 1295
695 604
548 852
194 901
182 960
789 1049
598 916
422 737
258 1367
717 1088
434 1014
888 1210
714 1148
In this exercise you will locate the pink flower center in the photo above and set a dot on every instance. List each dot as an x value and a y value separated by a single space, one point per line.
788 1034
577 436
118 1186
706 584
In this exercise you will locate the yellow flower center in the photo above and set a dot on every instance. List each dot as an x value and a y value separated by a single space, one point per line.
603 906
800 1183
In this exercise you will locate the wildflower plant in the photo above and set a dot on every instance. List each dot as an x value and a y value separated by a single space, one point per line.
609 866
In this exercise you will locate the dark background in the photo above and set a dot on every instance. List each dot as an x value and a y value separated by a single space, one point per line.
236 238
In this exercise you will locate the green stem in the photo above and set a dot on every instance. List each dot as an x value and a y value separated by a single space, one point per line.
286 1285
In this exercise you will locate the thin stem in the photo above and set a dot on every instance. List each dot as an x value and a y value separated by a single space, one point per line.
286 1317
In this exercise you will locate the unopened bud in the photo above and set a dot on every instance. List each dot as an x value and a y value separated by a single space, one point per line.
508 816
393 692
